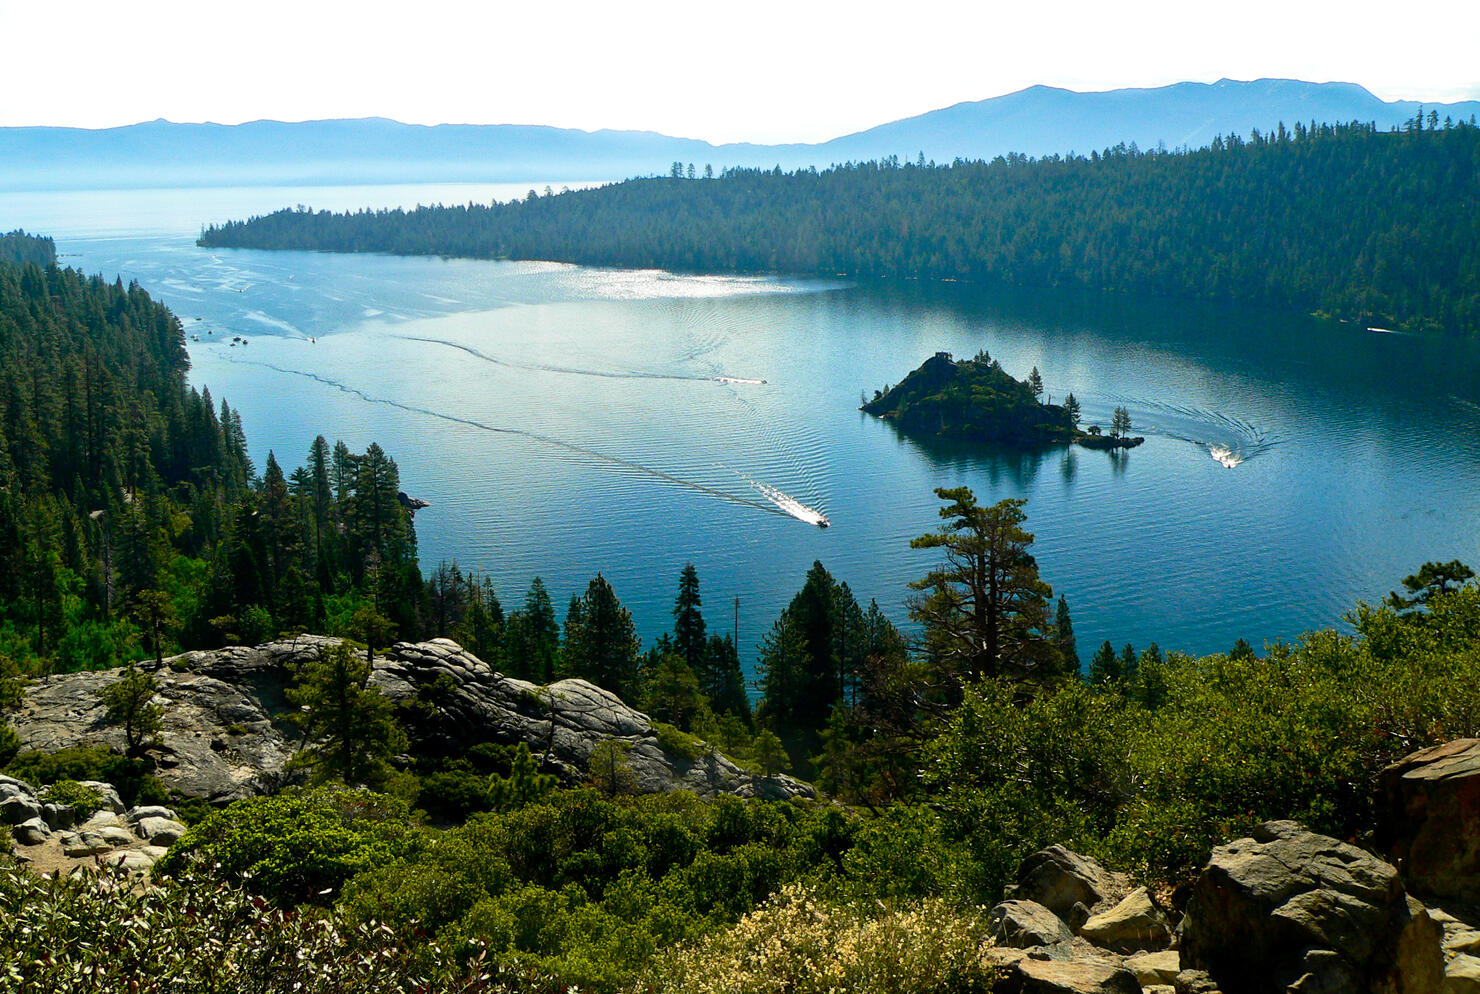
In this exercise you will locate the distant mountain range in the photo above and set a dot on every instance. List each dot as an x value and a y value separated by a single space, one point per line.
1040 120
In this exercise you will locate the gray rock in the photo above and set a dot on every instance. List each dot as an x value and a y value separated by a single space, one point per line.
109 796
18 808
226 736
1077 916
1022 924
1429 819
133 860
1059 878
562 723
1462 975
1195 982
9 785
58 816
32 832
1462 939
1130 926
84 844
1289 907
1155 968
160 831
1082 976
136 815
116 837
101 820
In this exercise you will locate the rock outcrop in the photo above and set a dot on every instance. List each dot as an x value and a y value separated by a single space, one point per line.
1290 910
226 736
1059 879
1132 925
1429 819
1025 924
1070 926
1084 976
60 837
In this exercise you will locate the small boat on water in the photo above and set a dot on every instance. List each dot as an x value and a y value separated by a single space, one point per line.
822 522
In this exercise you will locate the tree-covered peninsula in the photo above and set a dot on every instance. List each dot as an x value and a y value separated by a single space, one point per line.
976 400
1380 228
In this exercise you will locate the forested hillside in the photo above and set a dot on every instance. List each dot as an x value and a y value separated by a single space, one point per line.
1380 228
18 248
130 512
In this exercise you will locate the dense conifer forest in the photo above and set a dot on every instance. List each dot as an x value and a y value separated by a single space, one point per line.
1380 228
130 510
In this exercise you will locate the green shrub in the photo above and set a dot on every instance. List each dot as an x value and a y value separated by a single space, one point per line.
84 801
132 778
87 933
902 854
1149 777
679 743
799 944
453 795
588 888
299 846
10 744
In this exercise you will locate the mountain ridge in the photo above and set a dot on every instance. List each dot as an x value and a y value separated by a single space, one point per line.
1038 120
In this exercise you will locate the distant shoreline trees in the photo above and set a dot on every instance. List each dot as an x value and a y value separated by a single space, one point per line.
1336 220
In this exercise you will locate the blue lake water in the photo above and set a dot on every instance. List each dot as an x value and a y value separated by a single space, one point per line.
564 420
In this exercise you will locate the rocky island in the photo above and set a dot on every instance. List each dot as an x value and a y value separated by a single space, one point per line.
976 400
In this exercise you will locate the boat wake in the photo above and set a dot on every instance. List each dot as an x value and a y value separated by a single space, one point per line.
607 374
1229 441
790 504
779 503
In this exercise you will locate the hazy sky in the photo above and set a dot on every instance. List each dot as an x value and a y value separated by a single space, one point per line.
754 70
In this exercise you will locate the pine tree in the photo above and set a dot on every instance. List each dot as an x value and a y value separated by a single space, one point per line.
1063 636
610 771
533 636
723 682
156 612
1071 408
349 726
1104 667
984 612
688 622
601 644
129 703
1129 665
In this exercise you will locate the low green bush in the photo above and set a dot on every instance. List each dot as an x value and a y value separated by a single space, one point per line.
679 743
84 801
299 846
90 932
1151 775
588 887
132 778
799 943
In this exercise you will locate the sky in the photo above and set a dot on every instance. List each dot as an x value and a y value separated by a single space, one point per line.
761 71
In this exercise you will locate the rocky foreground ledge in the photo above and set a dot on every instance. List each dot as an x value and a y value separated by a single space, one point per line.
226 734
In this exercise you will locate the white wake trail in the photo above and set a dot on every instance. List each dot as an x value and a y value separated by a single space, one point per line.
790 504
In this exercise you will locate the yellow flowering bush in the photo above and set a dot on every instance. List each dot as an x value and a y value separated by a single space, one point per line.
799 944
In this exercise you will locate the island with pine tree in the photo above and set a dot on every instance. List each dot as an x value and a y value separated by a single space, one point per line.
976 400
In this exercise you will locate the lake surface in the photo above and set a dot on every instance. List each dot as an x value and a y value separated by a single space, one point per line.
564 420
